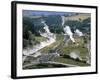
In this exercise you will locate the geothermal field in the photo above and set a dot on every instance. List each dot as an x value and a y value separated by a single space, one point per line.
56 39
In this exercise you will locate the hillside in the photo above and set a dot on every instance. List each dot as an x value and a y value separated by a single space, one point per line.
78 17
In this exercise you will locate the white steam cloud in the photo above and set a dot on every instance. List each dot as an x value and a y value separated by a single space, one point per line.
63 20
51 39
78 32
68 31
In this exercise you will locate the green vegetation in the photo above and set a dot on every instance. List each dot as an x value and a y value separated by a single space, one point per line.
67 49
40 38
28 60
44 65
70 61
78 17
59 39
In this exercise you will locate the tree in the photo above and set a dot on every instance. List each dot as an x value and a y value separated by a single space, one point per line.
25 43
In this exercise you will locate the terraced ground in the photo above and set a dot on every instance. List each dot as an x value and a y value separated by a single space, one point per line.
59 39
66 49
63 51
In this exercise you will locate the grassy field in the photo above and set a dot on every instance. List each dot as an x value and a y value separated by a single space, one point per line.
70 61
78 17
73 47
67 49
59 39
39 38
